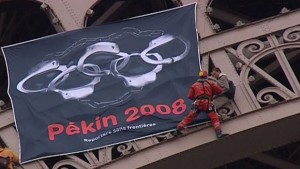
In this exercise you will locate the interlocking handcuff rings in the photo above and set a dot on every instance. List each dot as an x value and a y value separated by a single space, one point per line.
45 67
159 42
94 72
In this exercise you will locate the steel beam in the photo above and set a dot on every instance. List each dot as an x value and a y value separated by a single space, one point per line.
71 14
273 161
254 132
204 24
249 31
109 12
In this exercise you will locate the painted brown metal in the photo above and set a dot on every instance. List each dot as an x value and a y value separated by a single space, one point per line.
261 117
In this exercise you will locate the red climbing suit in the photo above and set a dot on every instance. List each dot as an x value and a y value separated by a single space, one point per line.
202 92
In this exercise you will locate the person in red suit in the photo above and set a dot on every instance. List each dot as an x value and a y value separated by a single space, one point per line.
202 93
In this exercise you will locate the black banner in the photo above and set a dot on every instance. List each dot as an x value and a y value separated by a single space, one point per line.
90 88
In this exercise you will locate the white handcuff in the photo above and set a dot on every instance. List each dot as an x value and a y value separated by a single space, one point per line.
102 48
51 65
137 81
88 89
77 92
162 40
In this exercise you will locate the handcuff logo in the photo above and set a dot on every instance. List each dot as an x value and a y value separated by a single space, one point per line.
104 46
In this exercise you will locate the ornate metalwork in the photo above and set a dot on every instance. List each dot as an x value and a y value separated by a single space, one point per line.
292 34
265 95
228 110
264 89
125 148
253 52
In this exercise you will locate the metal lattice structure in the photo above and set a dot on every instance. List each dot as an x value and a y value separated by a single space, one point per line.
260 57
